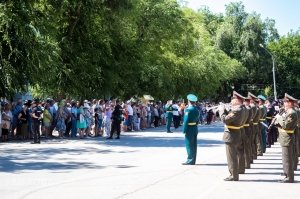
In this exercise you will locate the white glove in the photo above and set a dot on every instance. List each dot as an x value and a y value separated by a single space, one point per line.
279 120
221 109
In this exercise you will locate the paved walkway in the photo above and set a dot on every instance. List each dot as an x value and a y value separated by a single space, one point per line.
141 165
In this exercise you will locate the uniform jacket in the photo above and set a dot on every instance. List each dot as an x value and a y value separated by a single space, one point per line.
191 115
233 118
257 115
290 120
169 110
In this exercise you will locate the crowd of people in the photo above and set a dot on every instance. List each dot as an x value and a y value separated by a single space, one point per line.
26 120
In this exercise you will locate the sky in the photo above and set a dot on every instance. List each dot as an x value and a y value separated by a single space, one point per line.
286 13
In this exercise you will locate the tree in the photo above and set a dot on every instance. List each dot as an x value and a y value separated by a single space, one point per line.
286 52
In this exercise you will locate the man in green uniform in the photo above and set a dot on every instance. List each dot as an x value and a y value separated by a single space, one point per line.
297 137
248 131
190 129
242 145
287 123
232 134
262 141
257 151
253 125
169 115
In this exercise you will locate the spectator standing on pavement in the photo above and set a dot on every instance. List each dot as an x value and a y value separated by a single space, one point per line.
88 117
47 120
156 116
176 119
16 109
81 122
61 116
74 119
22 127
107 119
5 118
130 116
116 120
36 121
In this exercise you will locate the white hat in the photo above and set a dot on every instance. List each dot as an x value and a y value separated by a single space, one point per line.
86 106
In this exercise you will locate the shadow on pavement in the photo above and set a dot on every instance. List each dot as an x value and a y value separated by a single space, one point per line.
26 159
260 180
140 141
214 165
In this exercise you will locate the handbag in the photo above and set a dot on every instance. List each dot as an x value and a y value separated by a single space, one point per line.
5 124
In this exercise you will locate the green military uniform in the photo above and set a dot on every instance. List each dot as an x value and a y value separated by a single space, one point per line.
190 129
297 139
248 131
232 137
262 129
169 116
254 125
287 123
256 132
241 147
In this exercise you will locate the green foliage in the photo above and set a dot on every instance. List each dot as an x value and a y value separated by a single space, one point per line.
103 48
287 60
239 34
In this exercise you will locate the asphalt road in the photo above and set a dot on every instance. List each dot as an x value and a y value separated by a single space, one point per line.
141 165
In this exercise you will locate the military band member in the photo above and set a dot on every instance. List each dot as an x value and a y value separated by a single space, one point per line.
248 132
190 129
242 145
297 135
254 124
232 134
169 115
262 129
287 123
269 117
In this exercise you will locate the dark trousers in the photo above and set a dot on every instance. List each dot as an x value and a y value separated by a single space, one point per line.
130 121
115 126
259 140
232 159
36 131
68 128
254 138
247 147
156 119
176 121
191 147
287 162
241 152
169 122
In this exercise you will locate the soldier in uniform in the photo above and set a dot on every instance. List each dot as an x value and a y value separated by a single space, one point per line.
116 120
253 124
190 129
242 145
248 132
169 115
232 134
297 135
261 142
287 123
269 117
36 121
